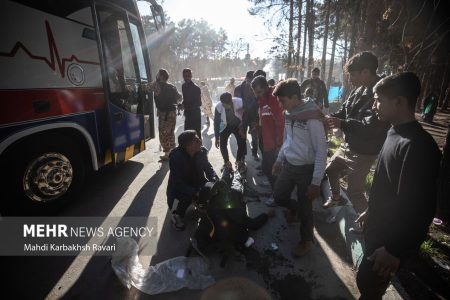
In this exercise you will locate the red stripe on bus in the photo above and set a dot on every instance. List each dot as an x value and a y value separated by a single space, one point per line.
31 104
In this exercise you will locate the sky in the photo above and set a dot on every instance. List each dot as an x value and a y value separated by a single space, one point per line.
231 15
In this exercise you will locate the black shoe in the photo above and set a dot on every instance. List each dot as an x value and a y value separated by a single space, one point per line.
177 222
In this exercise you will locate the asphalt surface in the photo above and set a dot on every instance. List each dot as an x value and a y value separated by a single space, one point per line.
137 188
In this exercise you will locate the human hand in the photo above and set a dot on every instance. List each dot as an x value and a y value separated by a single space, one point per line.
384 263
276 168
217 143
333 122
313 192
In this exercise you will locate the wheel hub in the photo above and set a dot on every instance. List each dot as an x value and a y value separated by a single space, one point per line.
48 177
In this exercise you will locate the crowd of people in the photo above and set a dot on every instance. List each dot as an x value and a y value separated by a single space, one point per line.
289 122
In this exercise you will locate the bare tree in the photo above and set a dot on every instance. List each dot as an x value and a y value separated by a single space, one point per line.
299 37
311 25
290 38
333 47
325 37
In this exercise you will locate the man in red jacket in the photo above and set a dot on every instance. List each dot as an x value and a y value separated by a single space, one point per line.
271 122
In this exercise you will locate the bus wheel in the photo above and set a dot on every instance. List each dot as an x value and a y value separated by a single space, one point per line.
46 175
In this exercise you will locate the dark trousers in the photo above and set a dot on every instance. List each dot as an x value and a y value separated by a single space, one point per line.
178 203
268 159
193 120
254 134
224 135
370 285
290 177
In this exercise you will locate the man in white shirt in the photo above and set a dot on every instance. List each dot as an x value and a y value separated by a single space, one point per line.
302 159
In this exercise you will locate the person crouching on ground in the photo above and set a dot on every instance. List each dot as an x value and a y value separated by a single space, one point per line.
301 160
402 201
189 171
227 121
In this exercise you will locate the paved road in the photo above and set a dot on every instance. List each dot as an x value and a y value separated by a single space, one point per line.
137 188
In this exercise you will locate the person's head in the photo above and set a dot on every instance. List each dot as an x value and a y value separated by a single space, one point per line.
362 68
249 76
309 92
260 86
315 73
187 75
202 83
232 80
260 73
396 96
226 98
162 75
190 142
271 82
288 93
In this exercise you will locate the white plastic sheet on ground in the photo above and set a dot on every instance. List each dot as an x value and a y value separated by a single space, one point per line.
170 275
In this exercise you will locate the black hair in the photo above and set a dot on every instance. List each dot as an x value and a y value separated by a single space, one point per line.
226 97
187 70
271 82
250 75
260 73
316 70
361 61
186 137
259 81
288 88
164 74
405 84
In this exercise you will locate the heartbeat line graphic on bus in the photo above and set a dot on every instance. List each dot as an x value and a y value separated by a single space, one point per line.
55 60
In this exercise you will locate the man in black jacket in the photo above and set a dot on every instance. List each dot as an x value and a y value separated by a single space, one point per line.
192 100
250 116
318 87
189 171
402 200
364 133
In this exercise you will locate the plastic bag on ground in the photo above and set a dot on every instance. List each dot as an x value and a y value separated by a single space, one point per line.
167 276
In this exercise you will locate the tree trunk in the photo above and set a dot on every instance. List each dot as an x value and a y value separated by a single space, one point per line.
354 33
291 38
305 31
333 48
445 82
311 36
373 15
443 203
299 37
325 38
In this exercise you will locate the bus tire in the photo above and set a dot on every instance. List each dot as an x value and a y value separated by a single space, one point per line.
45 174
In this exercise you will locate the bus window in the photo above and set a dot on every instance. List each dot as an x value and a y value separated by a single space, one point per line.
122 76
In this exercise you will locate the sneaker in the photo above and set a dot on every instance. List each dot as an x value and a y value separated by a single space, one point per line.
302 248
177 222
333 202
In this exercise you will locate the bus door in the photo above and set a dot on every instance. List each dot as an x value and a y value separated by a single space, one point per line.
146 104
122 79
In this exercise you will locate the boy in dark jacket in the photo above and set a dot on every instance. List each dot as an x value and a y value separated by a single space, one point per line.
402 200
364 133
189 171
